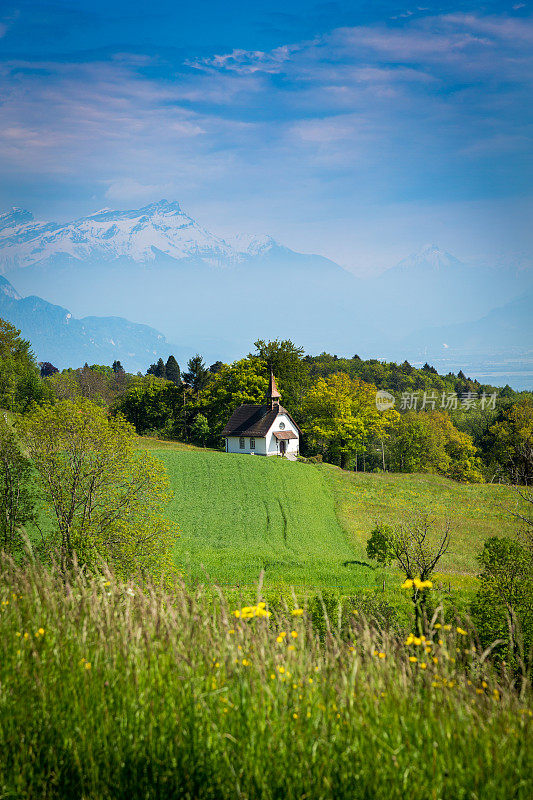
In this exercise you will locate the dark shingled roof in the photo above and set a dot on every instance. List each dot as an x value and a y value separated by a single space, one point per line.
253 420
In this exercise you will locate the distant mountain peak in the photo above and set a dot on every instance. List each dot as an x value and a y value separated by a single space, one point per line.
157 230
7 290
430 257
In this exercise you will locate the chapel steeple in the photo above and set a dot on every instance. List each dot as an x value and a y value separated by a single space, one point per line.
273 396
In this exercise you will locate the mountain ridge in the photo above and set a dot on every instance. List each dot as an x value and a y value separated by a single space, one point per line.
59 337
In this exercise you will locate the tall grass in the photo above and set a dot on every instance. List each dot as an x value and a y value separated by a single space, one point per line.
113 691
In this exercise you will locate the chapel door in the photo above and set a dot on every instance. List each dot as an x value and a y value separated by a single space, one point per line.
282 446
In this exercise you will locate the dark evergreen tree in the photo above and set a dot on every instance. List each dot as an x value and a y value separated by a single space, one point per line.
216 367
47 369
117 367
197 375
157 369
172 371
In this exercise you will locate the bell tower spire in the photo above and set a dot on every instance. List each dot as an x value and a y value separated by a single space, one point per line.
273 396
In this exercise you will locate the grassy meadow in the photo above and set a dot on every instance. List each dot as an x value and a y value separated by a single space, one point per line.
306 525
112 691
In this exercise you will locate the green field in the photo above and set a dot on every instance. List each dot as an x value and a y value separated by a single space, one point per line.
306 526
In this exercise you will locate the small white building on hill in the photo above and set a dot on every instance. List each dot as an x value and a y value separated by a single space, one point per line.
267 430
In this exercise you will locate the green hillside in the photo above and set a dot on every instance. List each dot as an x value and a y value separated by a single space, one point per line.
306 526
239 515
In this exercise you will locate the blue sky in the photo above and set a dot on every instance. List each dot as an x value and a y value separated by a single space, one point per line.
362 131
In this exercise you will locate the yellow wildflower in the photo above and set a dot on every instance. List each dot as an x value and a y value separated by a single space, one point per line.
279 639
291 647
245 662
87 665
297 612
447 627
423 665
413 659
281 670
462 631
410 639
295 716
407 584
381 655
294 634
437 626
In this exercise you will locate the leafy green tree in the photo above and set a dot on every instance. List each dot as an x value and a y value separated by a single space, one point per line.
172 371
503 606
117 367
155 406
105 493
17 496
240 383
429 442
198 374
286 361
340 417
512 441
200 430
416 550
20 382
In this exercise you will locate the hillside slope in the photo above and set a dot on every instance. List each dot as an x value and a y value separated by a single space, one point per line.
307 526
240 515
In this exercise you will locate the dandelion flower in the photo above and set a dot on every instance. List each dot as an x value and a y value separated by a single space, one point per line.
413 659
423 665
291 647
407 584
462 631
281 670
294 634
381 655
297 612
87 665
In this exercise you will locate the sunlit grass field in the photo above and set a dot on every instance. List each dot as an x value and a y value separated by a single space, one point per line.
306 526
475 511
114 691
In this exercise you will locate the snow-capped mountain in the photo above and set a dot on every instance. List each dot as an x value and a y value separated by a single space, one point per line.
142 235
429 258
218 294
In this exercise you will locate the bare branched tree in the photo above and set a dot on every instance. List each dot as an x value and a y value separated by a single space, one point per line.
413 546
